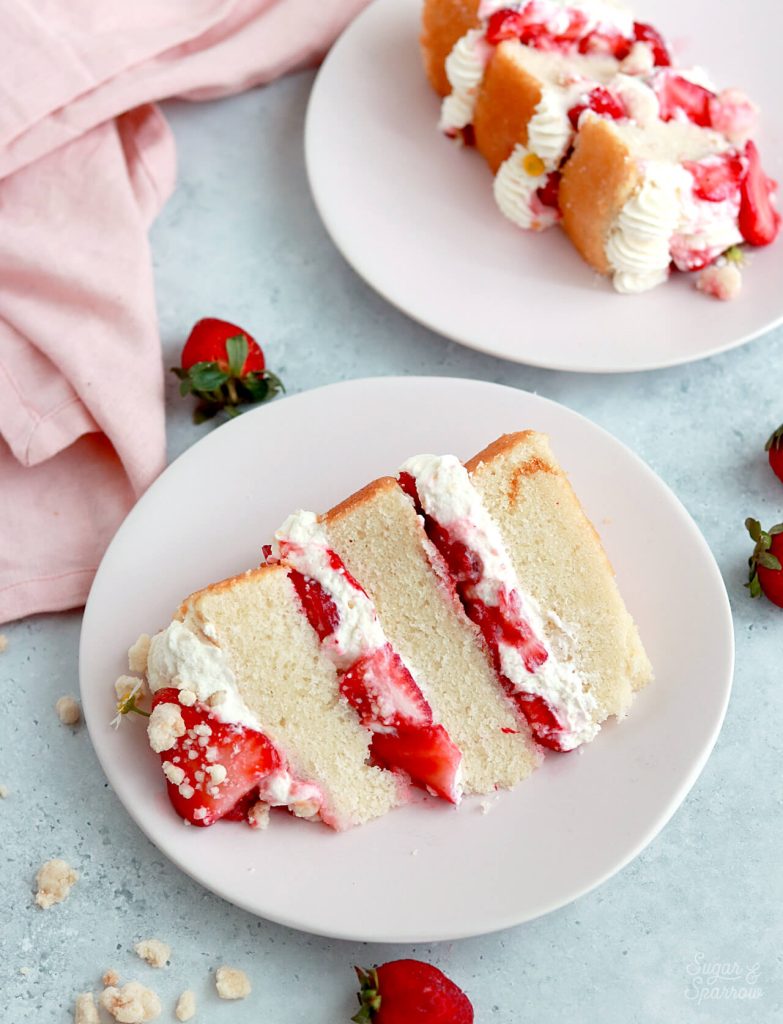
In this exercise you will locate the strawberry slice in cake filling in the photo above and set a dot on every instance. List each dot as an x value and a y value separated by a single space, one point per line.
547 691
373 678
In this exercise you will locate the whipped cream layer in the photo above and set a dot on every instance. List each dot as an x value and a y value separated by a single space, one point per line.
465 67
448 497
302 543
663 221
516 188
178 658
374 678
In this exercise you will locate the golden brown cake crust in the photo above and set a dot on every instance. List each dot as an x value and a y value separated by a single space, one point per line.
596 182
443 23
359 498
506 102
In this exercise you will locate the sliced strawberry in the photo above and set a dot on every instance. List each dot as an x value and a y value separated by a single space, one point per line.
576 28
602 102
549 194
644 33
427 755
676 93
318 606
759 221
247 756
384 693
543 722
718 177
611 43
505 24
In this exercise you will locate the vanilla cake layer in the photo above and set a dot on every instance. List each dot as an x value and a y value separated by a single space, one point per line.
444 22
292 689
382 542
560 561
607 168
512 90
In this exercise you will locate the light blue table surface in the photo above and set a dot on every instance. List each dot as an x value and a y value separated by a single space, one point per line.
241 239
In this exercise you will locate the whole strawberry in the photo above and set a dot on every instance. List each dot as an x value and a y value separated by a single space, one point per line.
224 367
407 991
774 447
766 562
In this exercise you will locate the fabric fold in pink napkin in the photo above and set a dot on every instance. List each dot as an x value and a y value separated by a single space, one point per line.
86 163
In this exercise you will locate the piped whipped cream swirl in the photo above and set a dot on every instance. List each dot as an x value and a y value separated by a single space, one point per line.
465 68
638 245
516 191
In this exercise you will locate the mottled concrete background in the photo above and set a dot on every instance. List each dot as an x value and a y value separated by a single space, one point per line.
241 239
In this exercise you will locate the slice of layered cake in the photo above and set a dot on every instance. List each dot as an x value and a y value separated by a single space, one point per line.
439 630
525 81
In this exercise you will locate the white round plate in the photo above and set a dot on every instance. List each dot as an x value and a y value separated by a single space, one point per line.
415 216
579 819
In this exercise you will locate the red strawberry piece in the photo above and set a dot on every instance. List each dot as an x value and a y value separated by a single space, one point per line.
207 344
759 221
224 367
383 692
410 991
207 749
766 562
613 44
676 93
644 33
774 448
602 102
428 755
576 28
549 194
318 606
505 24
718 177
543 722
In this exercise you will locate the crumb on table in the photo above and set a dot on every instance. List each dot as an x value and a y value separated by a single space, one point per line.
186 1005
68 710
54 880
231 983
153 951
85 1011
131 1004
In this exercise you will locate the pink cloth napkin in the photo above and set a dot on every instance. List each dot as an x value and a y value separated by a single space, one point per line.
86 163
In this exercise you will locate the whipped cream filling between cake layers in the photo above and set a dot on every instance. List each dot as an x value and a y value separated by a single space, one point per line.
303 544
663 221
448 497
180 659
467 64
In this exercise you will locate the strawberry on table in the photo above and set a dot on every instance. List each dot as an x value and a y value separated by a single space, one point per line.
210 766
224 367
774 448
766 562
407 991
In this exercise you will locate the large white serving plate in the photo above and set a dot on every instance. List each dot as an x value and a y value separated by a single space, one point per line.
416 217
577 821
